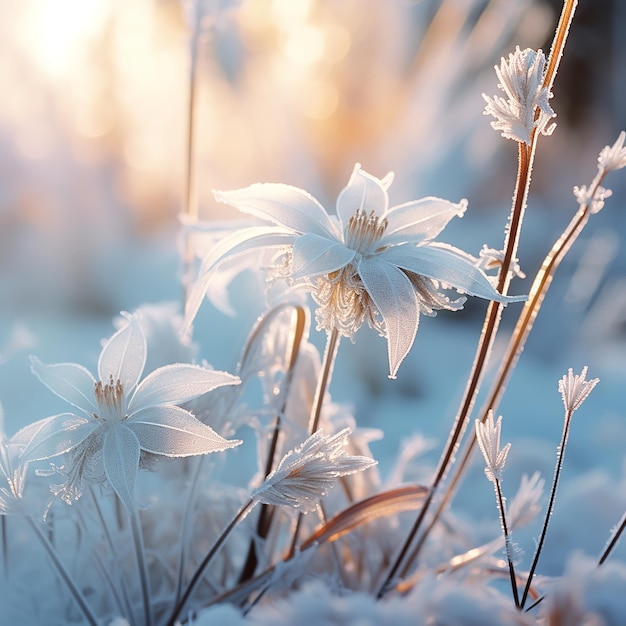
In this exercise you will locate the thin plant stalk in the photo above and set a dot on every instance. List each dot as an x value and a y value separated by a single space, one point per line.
507 540
110 543
191 195
5 546
140 554
185 524
328 363
555 481
196 579
613 541
266 514
63 573
526 157
521 332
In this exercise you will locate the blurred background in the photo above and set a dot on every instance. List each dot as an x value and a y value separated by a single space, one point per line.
93 105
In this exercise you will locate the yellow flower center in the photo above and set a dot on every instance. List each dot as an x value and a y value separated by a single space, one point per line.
109 398
364 231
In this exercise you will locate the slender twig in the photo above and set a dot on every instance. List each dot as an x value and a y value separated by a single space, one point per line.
555 481
328 362
507 540
5 546
140 554
613 541
191 195
266 514
63 573
196 579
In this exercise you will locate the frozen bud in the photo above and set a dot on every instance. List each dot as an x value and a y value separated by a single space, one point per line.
488 438
613 157
574 389
526 105
305 474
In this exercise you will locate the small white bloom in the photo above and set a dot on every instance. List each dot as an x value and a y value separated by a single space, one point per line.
305 475
574 389
521 79
488 438
118 421
371 262
613 157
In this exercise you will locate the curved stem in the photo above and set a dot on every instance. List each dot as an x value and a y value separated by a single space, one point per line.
507 540
613 541
328 362
65 575
211 554
140 554
555 481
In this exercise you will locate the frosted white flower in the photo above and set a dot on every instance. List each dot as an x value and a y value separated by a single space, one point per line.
305 475
118 421
613 157
371 262
521 79
574 389
488 438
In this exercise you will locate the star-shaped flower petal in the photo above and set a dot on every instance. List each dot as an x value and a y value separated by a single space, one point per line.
118 423
370 262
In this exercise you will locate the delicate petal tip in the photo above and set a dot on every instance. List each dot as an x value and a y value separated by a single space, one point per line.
123 356
363 192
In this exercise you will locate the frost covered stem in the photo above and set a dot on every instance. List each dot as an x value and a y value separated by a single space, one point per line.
65 575
211 554
617 533
191 197
330 354
490 327
5 546
494 310
140 554
507 539
557 473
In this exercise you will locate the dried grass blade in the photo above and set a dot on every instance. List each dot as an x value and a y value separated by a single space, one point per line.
383 504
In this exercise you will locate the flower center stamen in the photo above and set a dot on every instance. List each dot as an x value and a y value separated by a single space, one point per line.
364 231
109 396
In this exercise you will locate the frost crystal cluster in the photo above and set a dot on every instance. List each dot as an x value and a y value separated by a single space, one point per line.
526 106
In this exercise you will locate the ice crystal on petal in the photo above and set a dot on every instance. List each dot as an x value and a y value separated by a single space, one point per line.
574 389
613 157
488 438
526 106
121 423
371 263
305 475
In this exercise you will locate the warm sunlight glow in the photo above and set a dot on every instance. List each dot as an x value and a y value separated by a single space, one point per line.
58 32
